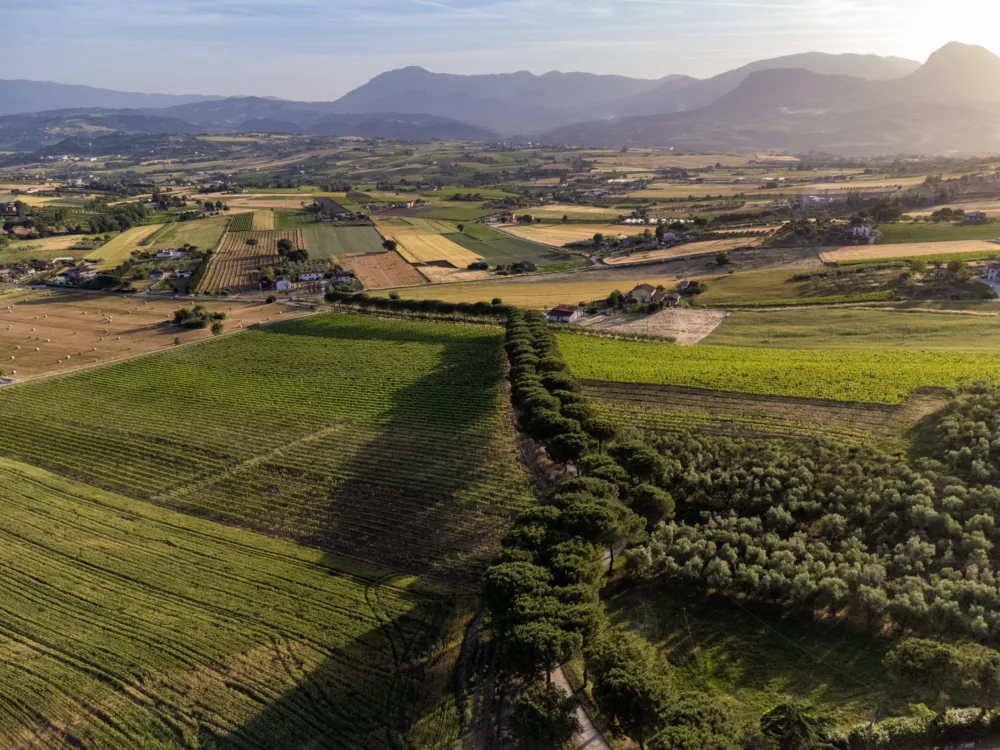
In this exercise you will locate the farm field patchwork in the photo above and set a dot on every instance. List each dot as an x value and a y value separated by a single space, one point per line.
384 440
893 234
324 241
685 250
383 271
120 248
976 327
71 330
235 265
909 250
422 243
558 235
866 376
46 248
505 250
126 625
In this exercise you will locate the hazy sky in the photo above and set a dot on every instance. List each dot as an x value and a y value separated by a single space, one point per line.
319 49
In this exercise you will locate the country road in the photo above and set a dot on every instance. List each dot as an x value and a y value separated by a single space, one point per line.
589 738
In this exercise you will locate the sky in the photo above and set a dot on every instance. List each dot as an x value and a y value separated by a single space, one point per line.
320 49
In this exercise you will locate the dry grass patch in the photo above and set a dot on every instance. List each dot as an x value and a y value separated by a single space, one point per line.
681 324
383 270
907 250
263 220
44 332
420 241
683 251
113 253
558 235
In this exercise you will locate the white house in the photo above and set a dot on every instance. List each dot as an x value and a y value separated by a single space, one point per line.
643 293
171 253
862 231
992 274
283 285
311 276
564 314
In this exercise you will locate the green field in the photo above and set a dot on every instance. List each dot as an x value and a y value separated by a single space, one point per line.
44 249
385 440
323 240
242 222
294 220
872 376
894 234
727 648
457 212
907 327
128 626
120 249
202 233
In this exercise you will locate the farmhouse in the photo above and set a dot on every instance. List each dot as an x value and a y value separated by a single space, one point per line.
311 276
171 253
862 231
343 278
564 314
975 217
283 285
992 274
642 293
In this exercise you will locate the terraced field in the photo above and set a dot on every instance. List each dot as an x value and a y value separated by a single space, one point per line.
130 626
235 265
659 408
866 376
384 440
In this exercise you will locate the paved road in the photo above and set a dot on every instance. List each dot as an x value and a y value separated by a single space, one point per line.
589 738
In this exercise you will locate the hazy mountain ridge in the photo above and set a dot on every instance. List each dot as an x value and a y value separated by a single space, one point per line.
23 97
950 103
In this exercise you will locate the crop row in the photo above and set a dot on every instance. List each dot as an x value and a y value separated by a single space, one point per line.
384 439
868 376
123 625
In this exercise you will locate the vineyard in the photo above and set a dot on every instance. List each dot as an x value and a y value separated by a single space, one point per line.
384 440
235 265
868 376
242 222
128 626
660 408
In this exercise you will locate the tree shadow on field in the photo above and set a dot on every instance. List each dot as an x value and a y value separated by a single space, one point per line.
423 496
367 695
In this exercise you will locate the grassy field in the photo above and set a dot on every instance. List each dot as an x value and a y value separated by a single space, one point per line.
127 625
504 250
325 241
893 234
906 327
43 249
120 249
202 233
263 220
384 440
873 376
724 647
681 251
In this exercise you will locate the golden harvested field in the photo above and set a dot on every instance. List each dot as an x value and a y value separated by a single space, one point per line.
907 250
383 270
684 251
47 247
263 220
558 235
31 200
236 263
71 330
559 209
121 247
421 241
267 201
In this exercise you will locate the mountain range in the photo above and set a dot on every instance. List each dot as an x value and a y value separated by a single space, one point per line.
856 104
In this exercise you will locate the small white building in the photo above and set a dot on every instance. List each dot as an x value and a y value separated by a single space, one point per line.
862 231
311 276
564 314
643 293
992 274
283 285
171 254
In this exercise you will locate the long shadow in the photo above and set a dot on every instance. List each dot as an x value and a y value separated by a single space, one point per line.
367 695
409 500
